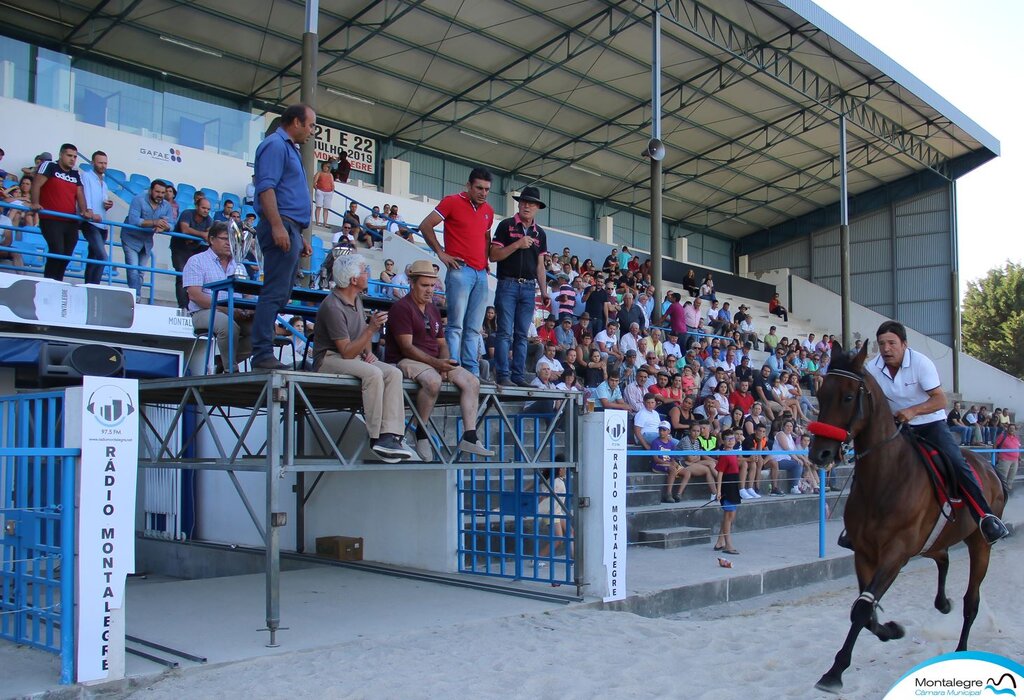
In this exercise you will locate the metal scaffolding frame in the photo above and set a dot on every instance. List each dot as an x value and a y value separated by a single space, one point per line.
287 406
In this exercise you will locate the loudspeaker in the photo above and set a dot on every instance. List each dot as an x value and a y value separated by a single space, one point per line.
64 364
655 150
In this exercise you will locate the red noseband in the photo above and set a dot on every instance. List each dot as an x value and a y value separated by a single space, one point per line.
829 432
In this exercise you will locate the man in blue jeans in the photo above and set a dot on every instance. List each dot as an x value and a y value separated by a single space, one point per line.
467 221
284 207
148 210
519 246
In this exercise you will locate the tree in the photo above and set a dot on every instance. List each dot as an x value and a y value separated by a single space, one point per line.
993 319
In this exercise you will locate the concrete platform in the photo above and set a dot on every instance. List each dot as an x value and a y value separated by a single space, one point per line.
323 606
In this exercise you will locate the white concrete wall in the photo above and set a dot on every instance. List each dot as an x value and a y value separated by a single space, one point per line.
980 382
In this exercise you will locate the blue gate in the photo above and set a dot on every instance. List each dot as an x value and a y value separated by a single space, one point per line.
38 518
518 523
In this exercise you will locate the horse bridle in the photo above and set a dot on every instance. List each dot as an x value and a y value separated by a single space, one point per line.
843 435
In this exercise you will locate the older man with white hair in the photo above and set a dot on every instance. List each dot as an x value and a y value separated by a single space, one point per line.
342 341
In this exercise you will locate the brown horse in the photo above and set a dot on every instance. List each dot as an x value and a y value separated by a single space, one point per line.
892 509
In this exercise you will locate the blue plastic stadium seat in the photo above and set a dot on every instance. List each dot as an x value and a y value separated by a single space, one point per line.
186 193
31 245
76 268
116 180
214 198
138 183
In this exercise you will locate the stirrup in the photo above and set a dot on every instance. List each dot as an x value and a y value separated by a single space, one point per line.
992 528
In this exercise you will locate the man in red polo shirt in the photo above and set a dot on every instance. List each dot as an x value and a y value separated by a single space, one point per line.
467 221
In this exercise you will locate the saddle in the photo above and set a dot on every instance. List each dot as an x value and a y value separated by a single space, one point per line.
941 472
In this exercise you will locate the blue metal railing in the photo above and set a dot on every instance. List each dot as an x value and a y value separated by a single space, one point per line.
516 523
37 578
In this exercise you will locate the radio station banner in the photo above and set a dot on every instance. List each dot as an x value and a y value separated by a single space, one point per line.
614 486
106 518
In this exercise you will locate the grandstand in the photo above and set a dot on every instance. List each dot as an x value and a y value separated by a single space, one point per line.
750 200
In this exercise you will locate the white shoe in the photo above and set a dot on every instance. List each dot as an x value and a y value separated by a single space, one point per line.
796 491
745 493
424 450
754 494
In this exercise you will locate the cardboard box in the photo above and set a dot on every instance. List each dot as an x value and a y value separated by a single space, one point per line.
340 548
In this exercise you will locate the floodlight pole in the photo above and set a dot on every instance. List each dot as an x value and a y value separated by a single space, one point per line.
308 91
656 164
844 237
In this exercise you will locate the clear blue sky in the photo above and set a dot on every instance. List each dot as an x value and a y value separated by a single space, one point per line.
970 53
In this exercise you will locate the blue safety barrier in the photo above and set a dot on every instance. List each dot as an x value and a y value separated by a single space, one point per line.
37 578
510 523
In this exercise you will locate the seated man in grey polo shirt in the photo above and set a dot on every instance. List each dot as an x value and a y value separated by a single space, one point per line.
342 341
213 265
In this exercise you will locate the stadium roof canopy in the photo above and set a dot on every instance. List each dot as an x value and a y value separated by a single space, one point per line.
558 91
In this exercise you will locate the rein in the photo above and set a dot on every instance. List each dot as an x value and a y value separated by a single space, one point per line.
843 435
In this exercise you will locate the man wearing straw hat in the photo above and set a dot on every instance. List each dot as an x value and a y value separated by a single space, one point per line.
416 343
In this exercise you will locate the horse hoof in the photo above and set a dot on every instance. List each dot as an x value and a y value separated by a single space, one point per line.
894 631
830 684
944 606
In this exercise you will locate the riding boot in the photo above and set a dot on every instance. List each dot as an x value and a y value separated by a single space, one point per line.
844 540
992 528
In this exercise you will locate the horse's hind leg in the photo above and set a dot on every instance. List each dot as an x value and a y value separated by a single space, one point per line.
980 551
942 603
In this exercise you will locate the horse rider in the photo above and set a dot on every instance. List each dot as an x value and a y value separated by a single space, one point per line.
911 384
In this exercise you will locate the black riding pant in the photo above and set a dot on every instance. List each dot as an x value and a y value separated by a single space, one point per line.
938 434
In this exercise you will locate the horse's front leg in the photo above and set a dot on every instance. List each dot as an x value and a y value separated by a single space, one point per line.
863 614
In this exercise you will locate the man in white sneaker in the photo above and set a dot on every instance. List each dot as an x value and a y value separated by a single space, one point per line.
343 339
415 341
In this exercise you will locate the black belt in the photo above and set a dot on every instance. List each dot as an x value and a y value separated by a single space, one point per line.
520 280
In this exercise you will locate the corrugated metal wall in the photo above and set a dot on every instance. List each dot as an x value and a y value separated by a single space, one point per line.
901 262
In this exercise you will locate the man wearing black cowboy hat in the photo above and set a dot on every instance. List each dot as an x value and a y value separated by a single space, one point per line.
518 246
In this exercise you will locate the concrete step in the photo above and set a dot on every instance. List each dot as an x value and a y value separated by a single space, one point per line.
759 514
636 498
672 537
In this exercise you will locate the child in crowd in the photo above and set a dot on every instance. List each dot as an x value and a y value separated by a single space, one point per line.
667 465
728 484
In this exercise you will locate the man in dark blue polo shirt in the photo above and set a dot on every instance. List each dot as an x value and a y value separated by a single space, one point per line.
519 246
284 207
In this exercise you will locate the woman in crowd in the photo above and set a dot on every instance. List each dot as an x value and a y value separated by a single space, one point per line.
690 283
388 273
785 441
551 508
721 397
803 403
707 289
490 331
756 419
172 199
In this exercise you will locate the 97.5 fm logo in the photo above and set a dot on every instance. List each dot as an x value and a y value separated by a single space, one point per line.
615 428
110 406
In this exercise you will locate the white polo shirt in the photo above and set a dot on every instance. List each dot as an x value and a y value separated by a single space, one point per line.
915 378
